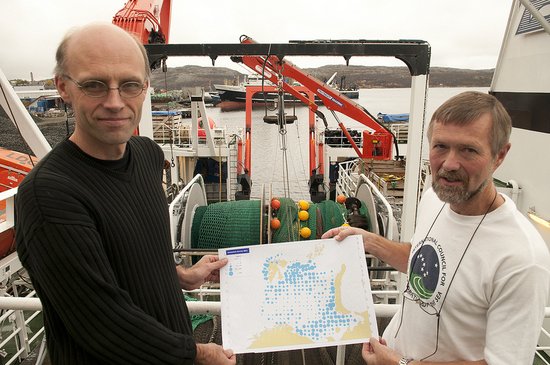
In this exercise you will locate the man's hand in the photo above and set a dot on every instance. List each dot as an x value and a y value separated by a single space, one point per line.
378 353
395 254
212 354
206 269
339 233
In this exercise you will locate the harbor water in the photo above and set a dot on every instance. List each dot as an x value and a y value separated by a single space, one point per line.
270 148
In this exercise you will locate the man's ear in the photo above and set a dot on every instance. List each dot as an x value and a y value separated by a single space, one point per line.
501 155
61 85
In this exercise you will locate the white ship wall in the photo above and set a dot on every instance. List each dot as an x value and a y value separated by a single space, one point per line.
523 67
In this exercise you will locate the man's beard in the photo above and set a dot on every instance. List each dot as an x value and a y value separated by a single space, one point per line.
455 194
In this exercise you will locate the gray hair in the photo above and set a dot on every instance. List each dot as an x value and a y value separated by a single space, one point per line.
469 106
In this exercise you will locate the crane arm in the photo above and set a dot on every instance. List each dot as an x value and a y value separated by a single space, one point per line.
148 20
267 67
276 70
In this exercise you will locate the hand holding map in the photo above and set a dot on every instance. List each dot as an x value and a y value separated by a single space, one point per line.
296 295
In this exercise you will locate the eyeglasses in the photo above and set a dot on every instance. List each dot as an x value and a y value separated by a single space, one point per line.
99 89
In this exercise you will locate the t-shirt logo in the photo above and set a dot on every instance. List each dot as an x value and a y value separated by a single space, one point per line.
425 269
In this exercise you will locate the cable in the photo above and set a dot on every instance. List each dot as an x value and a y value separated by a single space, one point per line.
263 80
305 173
283 131
165 71
66 120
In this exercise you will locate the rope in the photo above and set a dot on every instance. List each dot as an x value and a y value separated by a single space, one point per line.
305 172
288 215
228 224
283 134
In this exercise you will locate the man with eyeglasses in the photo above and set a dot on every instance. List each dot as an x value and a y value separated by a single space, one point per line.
92 221
478 271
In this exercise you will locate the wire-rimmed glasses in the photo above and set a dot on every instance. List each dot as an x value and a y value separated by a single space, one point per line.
99 89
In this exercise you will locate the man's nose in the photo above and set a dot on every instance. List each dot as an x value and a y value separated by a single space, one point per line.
452 161
113 99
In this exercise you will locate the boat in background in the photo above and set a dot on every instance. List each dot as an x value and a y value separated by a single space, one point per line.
237 93
349 92
233 97
393 118
212 98
14 166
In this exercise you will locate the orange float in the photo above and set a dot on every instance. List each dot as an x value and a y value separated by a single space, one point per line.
275 223
305 232
304 205
275 204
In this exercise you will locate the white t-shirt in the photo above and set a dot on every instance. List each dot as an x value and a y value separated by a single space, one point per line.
495 305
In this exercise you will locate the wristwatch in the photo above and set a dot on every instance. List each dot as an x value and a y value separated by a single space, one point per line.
404 361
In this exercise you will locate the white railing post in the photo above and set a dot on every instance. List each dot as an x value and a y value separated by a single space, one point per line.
20 324
9 197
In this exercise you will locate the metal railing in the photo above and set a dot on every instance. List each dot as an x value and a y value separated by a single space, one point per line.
350 177
18 318
177 206
21 311
9 197
214 308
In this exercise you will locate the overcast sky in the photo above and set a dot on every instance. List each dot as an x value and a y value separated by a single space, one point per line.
462 33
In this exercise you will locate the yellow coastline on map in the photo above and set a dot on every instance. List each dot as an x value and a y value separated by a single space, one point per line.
296 295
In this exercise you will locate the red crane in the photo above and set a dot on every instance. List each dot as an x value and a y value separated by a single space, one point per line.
148 20
377 140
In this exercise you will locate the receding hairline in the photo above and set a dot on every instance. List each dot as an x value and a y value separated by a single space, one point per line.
82 34
96 28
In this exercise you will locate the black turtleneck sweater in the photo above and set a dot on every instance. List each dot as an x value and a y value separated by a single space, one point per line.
94 237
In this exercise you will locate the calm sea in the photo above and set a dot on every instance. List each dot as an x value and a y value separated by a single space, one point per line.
268 145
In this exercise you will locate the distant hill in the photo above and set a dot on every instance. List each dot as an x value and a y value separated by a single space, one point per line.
354 76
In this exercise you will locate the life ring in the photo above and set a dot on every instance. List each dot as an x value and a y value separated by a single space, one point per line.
202 132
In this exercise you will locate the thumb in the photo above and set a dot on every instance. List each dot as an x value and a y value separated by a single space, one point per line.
374 343
229 353
216 265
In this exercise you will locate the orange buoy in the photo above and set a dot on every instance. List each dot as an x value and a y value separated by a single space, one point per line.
275 223
304 205
275 204
341 199
305 232
303 215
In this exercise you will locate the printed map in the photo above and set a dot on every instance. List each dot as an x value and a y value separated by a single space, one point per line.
296 295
